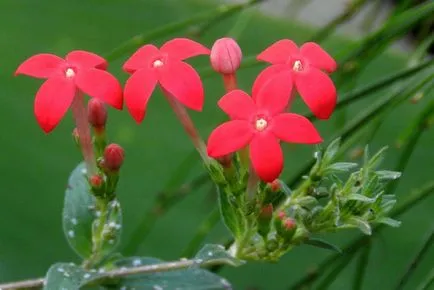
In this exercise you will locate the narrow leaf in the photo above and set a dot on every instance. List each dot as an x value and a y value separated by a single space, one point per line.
390 222
359 197
319 243
363 226
388 175
342 166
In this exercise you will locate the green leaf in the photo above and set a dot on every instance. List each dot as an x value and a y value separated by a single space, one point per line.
112 228
211 252
331 150
361 224
390 222
231 215
307 201
342 166
68 277
78 213
388 174
359 197
192 278
376 160
319 243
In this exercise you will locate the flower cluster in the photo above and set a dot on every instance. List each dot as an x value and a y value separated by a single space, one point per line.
258 122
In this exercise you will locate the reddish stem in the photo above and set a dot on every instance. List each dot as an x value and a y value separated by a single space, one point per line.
188 125
230 82
80 116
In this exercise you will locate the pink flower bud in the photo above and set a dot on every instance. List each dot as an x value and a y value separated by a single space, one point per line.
266 211
113 157
96 113
226 56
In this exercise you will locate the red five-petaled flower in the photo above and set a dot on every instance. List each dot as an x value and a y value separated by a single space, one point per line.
150 65
80 70
260 123
306 65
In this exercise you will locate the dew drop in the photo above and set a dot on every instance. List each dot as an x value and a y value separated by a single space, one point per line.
61 270
71 234
74 221
210 254
157 287
86 276
137 262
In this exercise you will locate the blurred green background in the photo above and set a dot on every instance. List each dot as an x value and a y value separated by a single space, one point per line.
35 167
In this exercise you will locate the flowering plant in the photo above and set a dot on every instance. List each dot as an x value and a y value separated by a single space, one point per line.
243 157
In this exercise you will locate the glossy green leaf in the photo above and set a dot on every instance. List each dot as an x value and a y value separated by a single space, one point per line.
192 278
231 215
211 252
78 212
68 277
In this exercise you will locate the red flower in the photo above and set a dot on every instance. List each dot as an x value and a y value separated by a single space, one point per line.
150 65
80 70
260 122
306 65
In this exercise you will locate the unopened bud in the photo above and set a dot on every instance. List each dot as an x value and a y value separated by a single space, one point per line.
226 56
96 113
275 185
113 157
96 181
285 226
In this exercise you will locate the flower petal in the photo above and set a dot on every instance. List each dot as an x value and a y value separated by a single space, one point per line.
274 96
183 48
318 57
237 104
100 84
266 156
40 66
318 92
52 101
183 83
294 128
142 58
279 52
138 90
229 137
86 59
265 75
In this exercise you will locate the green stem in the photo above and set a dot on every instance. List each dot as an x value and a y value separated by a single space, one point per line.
219 12
98 234
362 266
418 128
205 227
165 199
352 9
416 260
334 273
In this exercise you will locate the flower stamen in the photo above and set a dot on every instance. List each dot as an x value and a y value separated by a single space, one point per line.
298 66
157 63
69 73
261 124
